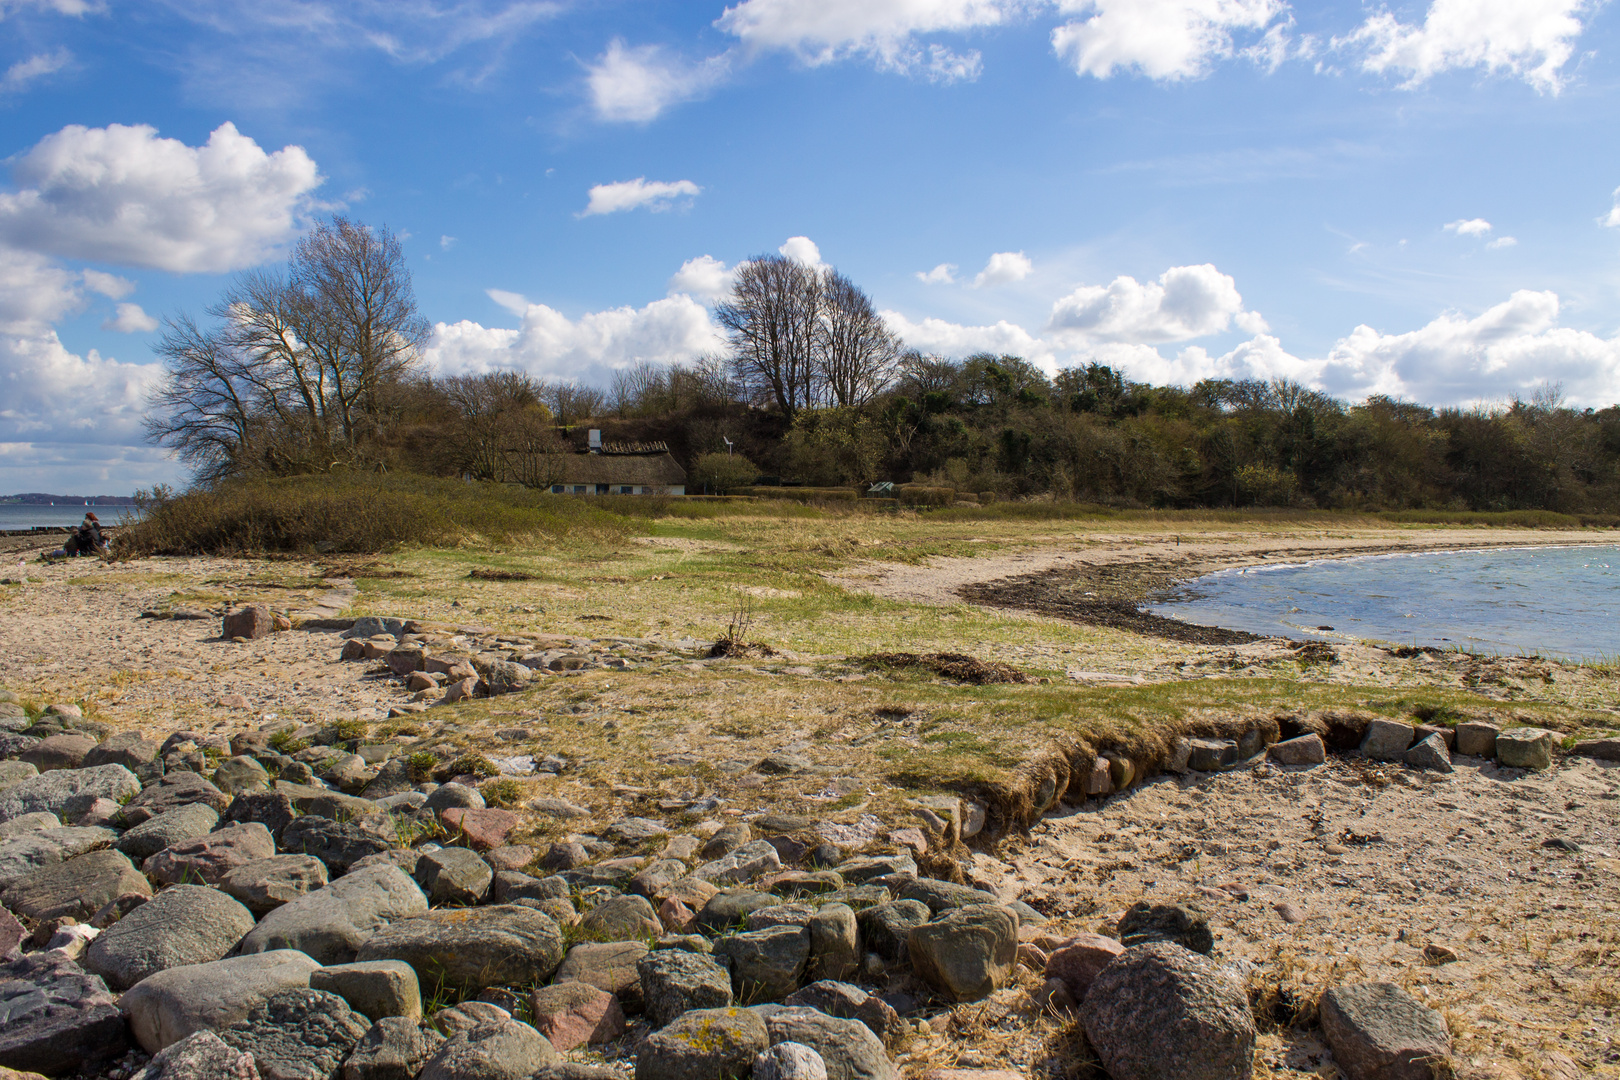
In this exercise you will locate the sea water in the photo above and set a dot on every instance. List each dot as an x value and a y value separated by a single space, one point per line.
1555 601
29 515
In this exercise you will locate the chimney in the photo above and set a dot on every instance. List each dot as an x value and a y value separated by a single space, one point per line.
596 441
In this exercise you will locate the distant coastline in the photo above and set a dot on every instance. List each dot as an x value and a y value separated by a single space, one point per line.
35 498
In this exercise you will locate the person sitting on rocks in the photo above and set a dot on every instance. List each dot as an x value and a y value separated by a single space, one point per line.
87 540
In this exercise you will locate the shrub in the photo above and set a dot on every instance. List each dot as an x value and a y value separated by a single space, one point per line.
502 793
467 765
723 473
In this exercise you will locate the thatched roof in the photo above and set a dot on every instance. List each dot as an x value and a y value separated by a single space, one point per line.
641 470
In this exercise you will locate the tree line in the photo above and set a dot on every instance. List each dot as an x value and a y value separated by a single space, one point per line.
317 367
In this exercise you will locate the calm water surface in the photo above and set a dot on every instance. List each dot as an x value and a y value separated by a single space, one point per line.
26 516
1557 601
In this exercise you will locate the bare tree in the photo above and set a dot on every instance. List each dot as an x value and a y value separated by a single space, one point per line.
532 453
570 402
772 318
204 409
857 355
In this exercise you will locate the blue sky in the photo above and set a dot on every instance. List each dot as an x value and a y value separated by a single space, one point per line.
1415 199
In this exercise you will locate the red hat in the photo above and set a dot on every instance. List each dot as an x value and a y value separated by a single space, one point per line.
91 515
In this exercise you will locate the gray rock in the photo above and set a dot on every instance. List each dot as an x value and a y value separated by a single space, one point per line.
573 1070
331 923
394 1048
704 1044
967 953
450 796
835 951
297 1034
1477 739
200 1056
64 791
79 887
633 830
470 949
180 926
1430 753
860 871
370 626
789 1061
240 774
471 1014
651 881
454 875
1304 750
1185 925
748 861
272 809
376 990
13 743
64 751
21 855
674 982
780 915
728 839
27 823
729 908
265 884
505 677
1387 740
505 1050
172 790
1378 1031
166 1007
175 827
1211 755
54 1018
766 965
210 857
1161 1011
942 895
848 1048
1520 748
13 773
338 844
127 748
623 918
886 928
609 966
395 779
511 887
849 1002
1601 749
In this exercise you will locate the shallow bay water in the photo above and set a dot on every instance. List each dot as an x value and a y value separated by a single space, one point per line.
1553 601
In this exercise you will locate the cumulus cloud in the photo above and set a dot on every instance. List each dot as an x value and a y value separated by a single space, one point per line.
655 195
636 84
1502 242
1162 39
941 336
1469 227
943 274
1003 268
1186 302
130 319
802 249
885 32
124 195
1612 218
551 345
109 285
59 7
19 75
703 278
1530 39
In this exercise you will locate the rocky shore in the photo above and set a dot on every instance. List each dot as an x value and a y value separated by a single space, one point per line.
295 900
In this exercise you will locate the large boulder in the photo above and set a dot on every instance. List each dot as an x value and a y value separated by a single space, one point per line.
886 928
1521 748
622 918
166 1007
170 791
748 861
848 1048
35 849
297 1034
1378 1031
704 1044
78 888
240 774
249 622
968 953
1387 740
1183 924
674 981
379 989
68 792
394 1048
571 1014
943 895
502 1050
65 751
835 951
1080 960
338 844
454 875
55 1018
849 1002
766 965
178 826
209 858
265 884
609 966
470 949
187 924
1163 1012
126 748
272 809
200 1056
333 922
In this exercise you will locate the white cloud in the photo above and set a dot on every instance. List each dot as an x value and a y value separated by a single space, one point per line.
1162 39
446 243
1186 302
655 195
943 274
109 285
1612 218
1003 268
60 7
634 85
954 339
1531 39
123 195
23 72
703 278
130 319
802 249
1502 242
1469 227
34 292
882 31
551 345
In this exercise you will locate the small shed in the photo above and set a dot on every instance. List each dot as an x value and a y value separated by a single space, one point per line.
620 469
